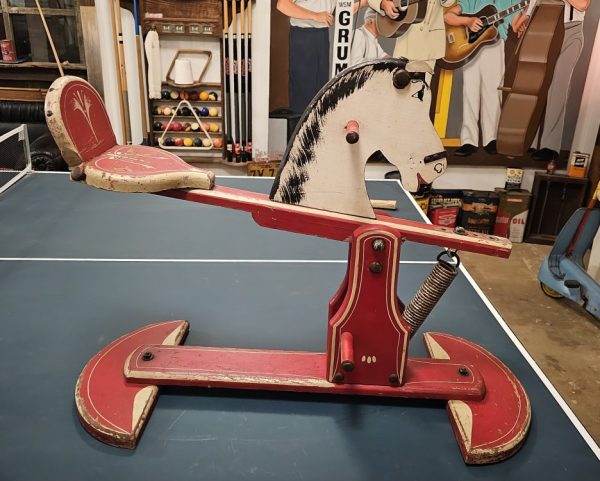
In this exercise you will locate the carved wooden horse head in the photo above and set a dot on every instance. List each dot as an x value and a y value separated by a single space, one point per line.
81 128
324 170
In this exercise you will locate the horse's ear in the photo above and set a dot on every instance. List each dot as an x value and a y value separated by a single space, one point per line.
418 66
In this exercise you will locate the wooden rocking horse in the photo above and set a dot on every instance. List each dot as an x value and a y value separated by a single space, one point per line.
320 191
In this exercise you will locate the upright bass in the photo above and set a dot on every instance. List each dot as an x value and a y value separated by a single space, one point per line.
527 91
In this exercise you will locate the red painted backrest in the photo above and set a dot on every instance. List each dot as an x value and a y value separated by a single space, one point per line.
78 120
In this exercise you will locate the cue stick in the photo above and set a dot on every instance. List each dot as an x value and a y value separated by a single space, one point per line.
242 79
236 138
118 65
249 86
123 70
141 83
50 41
227 71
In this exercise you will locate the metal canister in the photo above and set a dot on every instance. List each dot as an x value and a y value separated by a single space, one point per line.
514 177
8 51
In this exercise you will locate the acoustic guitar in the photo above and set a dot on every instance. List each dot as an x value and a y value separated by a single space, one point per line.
462 44
411 11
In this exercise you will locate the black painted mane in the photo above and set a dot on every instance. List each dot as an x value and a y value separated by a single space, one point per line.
300 150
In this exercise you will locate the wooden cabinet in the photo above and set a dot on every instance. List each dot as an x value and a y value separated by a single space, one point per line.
182 24
555 198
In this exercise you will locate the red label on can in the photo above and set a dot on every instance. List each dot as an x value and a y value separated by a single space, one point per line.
8 51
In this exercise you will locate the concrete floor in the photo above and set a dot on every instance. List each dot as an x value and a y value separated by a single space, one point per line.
562 337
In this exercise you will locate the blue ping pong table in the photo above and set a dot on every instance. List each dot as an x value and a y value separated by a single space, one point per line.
79 267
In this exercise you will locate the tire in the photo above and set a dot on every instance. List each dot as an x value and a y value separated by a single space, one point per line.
550 292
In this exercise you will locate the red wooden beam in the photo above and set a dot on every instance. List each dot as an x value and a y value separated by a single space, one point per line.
331 225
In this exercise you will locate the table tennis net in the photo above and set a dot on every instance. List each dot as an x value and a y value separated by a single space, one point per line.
15 161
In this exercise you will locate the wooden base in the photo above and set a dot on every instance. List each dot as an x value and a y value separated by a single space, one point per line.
291 371
490 422
494 428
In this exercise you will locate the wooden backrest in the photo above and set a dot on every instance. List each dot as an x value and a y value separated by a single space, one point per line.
78 120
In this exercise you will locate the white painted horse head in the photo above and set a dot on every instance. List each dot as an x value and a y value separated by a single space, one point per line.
322 170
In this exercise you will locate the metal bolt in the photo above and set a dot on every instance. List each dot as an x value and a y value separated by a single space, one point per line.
339 377
352 137
77 174
375 267
463 371
394 378
378 244
460 230
147 356
348 366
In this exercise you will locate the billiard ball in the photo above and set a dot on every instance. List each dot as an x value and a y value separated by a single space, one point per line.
195 127
185 111
157 126
206 142
165 95
186 127
204 112
174 94
214 127
167 111
176 126
178 142
188 142
213 96
193 95
203 95
218 143
197 142
213 112
158 110
183 95
169 141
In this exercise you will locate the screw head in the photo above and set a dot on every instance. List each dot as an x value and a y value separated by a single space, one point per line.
348 366
394 378
378 244
352 137
375 267
338 377
463 371
77 174
147 356
460 230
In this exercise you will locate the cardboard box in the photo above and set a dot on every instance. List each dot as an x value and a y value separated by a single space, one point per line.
444 207
478 212
511 218
578 164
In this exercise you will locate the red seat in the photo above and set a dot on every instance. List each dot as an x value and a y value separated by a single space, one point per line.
81 128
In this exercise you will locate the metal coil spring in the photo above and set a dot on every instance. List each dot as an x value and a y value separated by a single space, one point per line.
430 292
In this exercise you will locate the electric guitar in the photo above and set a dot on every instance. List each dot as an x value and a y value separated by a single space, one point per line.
411 11
462 44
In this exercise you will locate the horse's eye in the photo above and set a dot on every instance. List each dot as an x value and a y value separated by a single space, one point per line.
400 78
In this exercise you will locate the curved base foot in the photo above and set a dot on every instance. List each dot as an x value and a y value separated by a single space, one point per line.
494 428
102 393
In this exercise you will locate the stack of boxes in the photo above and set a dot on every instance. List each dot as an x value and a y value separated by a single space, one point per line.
502 212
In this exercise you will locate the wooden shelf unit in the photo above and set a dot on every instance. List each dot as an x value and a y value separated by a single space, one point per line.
200 152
